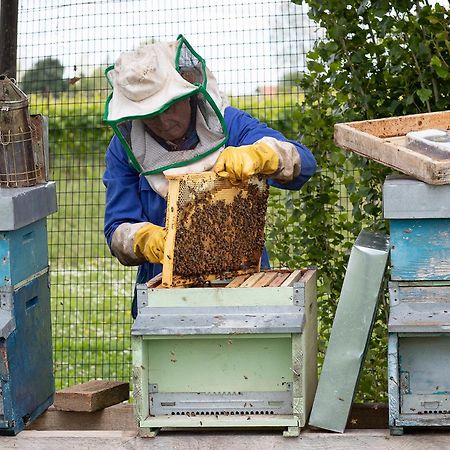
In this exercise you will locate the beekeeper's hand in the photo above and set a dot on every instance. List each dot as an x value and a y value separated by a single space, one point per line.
239 163
149 242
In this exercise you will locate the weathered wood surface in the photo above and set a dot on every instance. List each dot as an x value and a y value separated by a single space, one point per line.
121 418
91 396
112 440
378 140
420 249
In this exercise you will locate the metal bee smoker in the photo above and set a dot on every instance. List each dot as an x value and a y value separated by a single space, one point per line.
23 155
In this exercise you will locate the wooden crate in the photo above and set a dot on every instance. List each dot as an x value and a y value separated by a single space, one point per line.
215 230
384 141
236 354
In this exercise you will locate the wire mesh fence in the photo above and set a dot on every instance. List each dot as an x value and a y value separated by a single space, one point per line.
255 49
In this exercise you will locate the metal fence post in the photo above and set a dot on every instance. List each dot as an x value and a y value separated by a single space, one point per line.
9 10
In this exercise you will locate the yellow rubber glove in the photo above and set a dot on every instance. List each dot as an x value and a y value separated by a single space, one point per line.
149 243
239 163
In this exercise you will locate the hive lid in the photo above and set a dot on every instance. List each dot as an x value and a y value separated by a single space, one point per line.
22 206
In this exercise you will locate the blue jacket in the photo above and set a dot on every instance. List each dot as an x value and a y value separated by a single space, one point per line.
129 197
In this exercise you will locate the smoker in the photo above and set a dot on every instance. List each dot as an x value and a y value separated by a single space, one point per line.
26 199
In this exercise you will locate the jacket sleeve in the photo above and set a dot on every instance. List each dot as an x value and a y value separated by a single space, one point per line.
124 210
245 130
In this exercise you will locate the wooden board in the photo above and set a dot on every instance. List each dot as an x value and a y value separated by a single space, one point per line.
91 396
383 140
215 230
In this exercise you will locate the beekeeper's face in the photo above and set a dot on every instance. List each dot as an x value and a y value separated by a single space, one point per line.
173 123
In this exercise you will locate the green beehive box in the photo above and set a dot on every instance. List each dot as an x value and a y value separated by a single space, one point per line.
234 355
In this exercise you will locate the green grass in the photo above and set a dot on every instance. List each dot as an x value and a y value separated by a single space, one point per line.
90 291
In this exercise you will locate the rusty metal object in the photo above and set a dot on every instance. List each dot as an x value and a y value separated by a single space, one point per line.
17 159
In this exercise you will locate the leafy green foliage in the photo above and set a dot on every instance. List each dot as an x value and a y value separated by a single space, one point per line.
377 59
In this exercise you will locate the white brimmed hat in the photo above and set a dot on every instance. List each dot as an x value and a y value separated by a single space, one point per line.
145 82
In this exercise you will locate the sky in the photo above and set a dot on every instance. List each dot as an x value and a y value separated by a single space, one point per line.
238 38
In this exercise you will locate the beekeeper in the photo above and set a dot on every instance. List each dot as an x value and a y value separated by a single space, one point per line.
169 117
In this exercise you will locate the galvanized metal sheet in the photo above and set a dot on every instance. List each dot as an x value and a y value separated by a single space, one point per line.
174 321
408 198
218 403
22 206
350 332
7 323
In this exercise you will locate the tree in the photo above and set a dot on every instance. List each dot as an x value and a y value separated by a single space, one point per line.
46 76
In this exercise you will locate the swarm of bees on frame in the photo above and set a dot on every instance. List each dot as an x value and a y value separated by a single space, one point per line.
220 237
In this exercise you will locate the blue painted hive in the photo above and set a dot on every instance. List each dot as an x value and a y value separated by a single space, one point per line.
419 319
26 368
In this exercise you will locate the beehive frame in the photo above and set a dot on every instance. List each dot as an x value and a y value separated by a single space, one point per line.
215 229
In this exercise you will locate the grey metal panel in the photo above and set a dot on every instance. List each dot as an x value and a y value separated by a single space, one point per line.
175 321
21 206
424 365
169 403
419 318
417 308
408 198
7 323
350 332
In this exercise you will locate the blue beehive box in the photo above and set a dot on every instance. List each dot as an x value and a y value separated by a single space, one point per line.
23 231
26 368
419 219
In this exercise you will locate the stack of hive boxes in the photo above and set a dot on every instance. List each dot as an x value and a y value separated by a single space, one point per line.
419 321
26 370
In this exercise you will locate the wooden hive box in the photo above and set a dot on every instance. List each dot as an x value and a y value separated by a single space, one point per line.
384 141
215 230
239 353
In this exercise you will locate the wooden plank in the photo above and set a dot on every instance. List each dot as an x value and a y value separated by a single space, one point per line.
155 281
266 279
397 126
237 281
250 282
91 396
259 439
121 418
116 417
278 280
293 277
420 249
